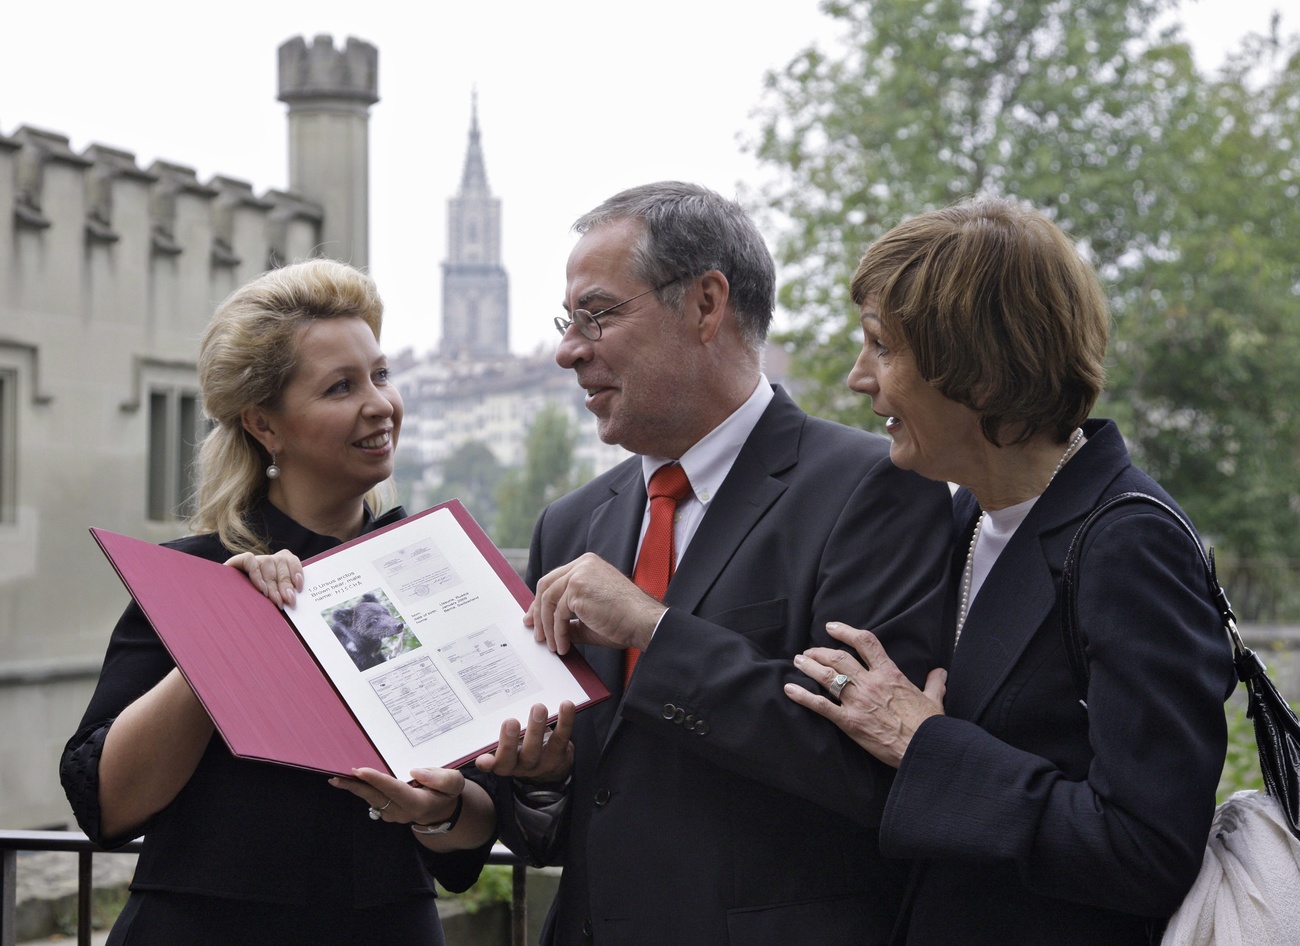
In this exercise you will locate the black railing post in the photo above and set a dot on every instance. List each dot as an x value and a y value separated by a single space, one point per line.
85 887
8 895
12 842
519 905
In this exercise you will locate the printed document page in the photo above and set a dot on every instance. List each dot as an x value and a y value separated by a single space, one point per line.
425 642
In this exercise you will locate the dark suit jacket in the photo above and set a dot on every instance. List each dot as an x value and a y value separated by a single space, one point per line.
1041 821
706 806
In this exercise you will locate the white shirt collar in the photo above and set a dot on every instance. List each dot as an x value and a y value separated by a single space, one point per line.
709 461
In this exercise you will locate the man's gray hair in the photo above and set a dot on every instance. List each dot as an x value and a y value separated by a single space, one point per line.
690 230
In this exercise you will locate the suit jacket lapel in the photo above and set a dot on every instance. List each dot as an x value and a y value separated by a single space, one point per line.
1021 590
1013 603
615 526
744 498
612 533
747 493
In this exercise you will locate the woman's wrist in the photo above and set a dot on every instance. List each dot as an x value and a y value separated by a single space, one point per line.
442 827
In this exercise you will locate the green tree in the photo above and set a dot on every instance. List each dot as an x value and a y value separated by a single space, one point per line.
472 474
926 103
1181 186
407 473
548 472
1208 341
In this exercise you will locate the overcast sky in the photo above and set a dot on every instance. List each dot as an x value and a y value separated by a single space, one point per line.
577 100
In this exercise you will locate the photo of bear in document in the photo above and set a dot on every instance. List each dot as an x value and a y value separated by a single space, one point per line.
370 630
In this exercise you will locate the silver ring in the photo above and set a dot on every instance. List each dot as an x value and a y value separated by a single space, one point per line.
374 812
837 685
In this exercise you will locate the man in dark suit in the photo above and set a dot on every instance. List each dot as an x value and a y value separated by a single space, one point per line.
699 805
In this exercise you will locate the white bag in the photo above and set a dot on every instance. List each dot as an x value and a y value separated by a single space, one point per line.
1248 890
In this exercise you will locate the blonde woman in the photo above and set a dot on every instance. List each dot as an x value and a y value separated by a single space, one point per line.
306 423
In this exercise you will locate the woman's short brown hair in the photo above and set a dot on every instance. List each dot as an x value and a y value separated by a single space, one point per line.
999 310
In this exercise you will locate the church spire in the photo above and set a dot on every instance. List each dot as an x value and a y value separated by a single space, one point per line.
473 181
475 289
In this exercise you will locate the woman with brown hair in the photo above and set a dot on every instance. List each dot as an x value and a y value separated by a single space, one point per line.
1034 812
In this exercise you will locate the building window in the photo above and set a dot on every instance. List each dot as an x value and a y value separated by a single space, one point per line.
8 446
175 428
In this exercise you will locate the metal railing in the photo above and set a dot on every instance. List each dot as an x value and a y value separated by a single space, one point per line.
12 842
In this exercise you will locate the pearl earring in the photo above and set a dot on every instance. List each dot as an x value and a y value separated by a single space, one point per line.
273 471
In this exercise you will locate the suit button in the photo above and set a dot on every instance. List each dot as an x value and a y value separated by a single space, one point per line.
602 797
701 727
669 710
679 715
689 722
586 927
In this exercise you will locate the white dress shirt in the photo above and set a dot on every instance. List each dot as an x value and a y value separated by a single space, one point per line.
707 464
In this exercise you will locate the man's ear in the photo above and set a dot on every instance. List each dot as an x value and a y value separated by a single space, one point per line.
258 424
711 294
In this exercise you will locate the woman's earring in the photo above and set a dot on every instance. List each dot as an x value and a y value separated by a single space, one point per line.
272 471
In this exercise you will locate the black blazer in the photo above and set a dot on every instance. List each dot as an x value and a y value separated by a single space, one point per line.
706 806
1040 821
245 830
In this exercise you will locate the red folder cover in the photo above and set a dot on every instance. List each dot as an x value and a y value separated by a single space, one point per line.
266 692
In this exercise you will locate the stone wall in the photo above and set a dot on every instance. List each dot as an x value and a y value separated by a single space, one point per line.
109 273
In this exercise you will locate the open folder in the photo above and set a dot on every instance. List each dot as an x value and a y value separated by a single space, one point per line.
406 647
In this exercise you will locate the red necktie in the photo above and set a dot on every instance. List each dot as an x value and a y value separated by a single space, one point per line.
657 561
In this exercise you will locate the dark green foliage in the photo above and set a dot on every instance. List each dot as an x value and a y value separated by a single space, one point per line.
1181 186
548 472
473 475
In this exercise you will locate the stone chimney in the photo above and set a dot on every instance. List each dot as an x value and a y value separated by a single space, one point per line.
329 93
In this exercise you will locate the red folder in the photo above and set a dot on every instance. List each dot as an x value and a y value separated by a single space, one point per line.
262 686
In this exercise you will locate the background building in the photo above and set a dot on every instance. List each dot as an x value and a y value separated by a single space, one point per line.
472 388
475 288
108 274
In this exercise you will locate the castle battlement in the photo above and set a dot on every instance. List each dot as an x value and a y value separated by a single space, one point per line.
329 93
109 273
66 207
320 71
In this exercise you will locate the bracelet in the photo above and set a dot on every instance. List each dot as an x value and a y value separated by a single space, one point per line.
444 827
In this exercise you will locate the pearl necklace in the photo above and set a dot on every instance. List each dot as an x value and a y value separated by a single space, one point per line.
968 574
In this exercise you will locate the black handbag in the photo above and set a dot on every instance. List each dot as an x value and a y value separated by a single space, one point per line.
1277 730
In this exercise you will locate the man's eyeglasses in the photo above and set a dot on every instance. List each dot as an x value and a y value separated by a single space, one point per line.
587 323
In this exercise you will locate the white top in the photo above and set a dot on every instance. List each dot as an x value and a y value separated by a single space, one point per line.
999 526
994 530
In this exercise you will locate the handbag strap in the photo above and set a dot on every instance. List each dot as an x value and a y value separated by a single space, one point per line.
1248 665
1277 729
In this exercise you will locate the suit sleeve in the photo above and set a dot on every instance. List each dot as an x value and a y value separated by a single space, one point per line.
459 870
1131 835
882 564
537 835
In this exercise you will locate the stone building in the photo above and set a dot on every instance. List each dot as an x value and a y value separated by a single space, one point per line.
108 275
475 288
472 388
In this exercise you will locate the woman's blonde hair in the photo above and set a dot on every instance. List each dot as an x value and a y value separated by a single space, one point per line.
247 357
